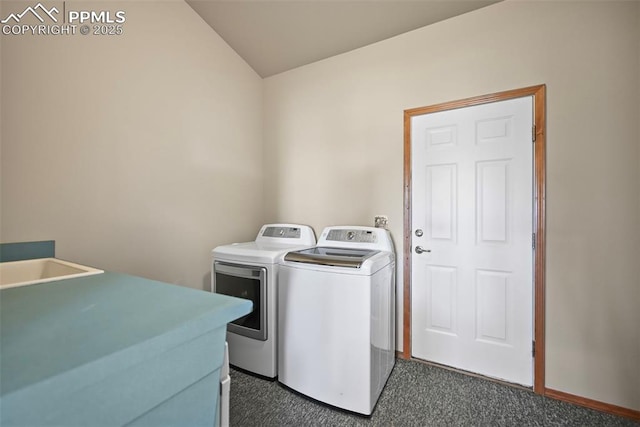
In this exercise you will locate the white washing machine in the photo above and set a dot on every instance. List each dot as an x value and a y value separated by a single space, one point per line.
250 270
336 317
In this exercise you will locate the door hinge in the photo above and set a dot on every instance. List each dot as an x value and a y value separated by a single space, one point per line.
533 133
533 349
533 241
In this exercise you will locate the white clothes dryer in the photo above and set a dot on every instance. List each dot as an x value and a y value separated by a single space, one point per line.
250 270
336 317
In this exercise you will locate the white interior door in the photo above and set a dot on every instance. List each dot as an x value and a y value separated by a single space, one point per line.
472 213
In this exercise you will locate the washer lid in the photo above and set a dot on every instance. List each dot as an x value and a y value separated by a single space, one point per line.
339 257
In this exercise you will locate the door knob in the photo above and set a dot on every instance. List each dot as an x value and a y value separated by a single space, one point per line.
420 249
419 232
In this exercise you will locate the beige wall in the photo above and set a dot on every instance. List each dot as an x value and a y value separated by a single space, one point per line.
136 153
333 141
139 153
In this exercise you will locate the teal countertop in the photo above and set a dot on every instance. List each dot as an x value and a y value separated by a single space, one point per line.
59 339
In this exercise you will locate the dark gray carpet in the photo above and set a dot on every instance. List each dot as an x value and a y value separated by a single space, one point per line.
415 395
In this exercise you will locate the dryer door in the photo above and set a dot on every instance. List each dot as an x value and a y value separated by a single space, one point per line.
247 282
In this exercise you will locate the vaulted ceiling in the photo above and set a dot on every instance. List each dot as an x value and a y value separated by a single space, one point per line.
278 35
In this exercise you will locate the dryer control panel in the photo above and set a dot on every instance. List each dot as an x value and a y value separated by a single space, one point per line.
289 234
282 232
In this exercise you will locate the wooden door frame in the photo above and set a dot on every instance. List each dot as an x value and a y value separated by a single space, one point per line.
539 170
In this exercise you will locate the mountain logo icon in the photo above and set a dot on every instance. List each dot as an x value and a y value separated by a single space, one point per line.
34 11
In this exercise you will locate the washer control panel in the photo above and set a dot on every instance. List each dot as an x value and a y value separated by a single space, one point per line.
356 237
352 235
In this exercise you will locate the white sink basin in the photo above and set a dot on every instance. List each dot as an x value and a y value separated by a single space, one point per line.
41 270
